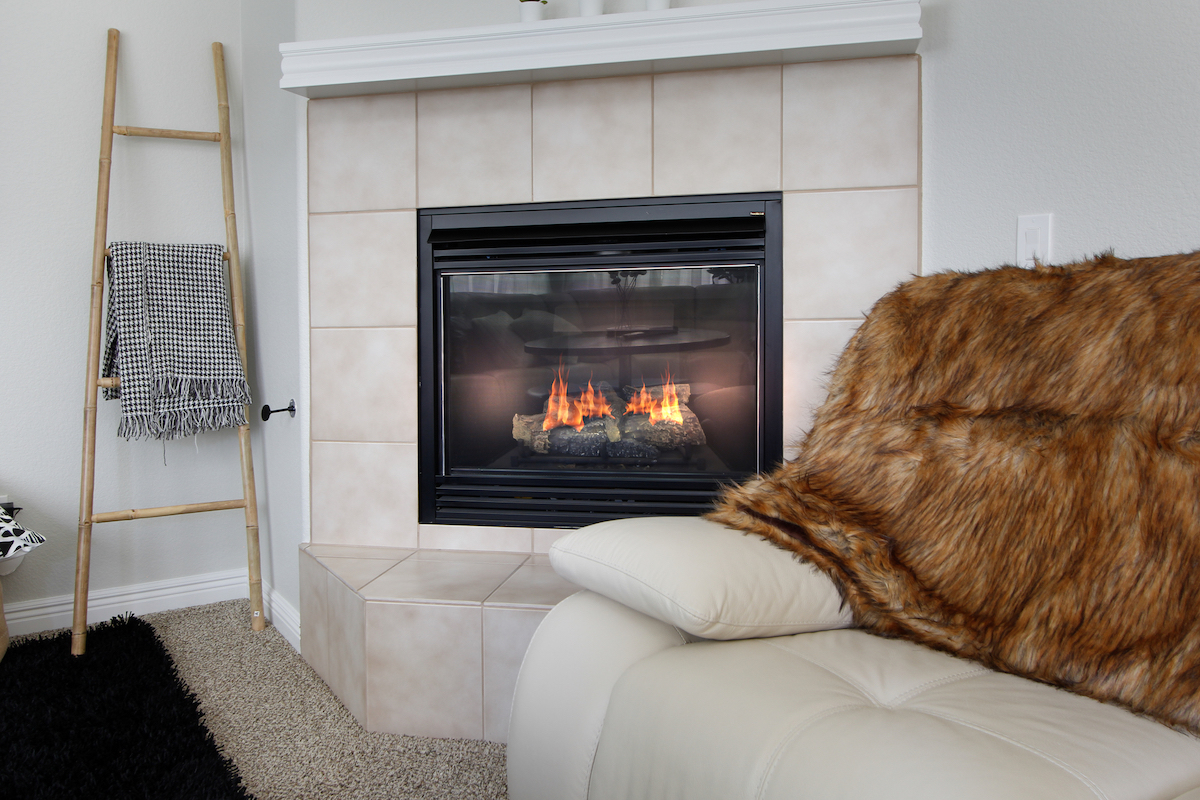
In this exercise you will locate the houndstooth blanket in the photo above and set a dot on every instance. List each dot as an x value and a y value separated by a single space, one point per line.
170 341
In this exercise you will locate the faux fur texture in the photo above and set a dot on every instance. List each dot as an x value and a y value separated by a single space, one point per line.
1007 468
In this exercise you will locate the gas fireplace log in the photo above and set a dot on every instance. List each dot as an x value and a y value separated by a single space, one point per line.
625 428
664 435
527 429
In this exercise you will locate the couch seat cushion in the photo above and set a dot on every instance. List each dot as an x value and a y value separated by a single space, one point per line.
848 714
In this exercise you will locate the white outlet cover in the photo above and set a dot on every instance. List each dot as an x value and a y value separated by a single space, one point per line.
1033 239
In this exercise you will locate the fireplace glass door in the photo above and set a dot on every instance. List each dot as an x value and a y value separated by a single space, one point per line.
579 370
650 370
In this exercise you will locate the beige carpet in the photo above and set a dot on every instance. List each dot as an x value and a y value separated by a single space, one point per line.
291 738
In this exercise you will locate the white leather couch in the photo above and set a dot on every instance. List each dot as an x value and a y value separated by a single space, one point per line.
702 664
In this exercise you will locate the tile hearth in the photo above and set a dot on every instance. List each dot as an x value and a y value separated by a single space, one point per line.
423 642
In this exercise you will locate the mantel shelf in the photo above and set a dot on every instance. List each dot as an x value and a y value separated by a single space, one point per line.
701 37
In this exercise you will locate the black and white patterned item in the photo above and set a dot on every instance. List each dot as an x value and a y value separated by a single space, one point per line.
170 340
16 538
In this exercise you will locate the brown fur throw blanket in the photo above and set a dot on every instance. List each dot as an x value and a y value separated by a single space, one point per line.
1007 468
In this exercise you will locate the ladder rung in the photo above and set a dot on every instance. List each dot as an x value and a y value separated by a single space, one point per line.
109 383
163 133
167 511
224 255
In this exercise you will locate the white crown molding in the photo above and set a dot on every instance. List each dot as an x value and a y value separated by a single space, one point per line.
700 37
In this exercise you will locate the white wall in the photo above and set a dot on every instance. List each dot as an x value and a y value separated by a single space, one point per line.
322 19
1083 108
161 191
273 123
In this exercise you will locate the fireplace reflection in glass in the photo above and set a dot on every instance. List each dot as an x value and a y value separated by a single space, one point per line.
652 369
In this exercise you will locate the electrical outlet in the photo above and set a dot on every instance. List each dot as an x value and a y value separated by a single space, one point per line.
1033 239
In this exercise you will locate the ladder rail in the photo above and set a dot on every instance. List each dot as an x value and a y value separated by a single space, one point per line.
99 244
257 619
248 501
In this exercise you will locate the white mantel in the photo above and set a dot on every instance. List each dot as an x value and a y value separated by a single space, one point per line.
702 37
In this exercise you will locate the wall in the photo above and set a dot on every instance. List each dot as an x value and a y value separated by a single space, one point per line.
1085 109
320 19
276 299
1075 108
161 191
1081 108
838 138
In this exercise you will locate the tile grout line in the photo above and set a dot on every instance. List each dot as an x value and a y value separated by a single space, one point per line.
416 151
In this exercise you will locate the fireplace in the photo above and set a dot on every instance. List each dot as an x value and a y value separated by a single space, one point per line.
594 360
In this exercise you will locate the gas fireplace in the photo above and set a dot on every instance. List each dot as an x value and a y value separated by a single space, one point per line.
594 360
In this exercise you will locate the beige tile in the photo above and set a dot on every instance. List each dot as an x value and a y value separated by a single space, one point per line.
842 251
362 153
471 557
850 123
474 146
717 131
417 580
810 349
544 537
364 384
364 494
472 537
314 624
321 551
347 648
425 670
363 269
592 139
532 585
358 572
506 636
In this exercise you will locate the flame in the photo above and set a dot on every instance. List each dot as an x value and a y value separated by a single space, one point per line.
593 403
563 410
641 403
666 410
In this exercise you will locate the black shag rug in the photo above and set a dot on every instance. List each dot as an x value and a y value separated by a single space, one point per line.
113 723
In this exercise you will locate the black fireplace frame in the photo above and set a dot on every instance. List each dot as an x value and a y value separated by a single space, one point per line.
695 230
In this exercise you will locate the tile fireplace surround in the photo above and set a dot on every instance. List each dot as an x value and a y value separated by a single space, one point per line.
840 139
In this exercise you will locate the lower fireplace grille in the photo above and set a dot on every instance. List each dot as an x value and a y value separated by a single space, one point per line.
489 501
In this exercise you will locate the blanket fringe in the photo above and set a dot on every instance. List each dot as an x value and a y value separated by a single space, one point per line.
182 423
186 422
175 386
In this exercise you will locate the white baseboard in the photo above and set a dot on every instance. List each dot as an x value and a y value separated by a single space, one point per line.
52 613
283 615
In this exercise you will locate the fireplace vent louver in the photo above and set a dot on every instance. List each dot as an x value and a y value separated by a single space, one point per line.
716 237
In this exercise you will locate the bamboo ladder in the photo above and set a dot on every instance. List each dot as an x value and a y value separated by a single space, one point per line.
248 500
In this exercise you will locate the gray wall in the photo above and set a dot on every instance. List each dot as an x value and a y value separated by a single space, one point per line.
1082 108
161 191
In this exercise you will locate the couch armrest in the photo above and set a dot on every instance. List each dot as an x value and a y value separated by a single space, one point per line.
576 656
